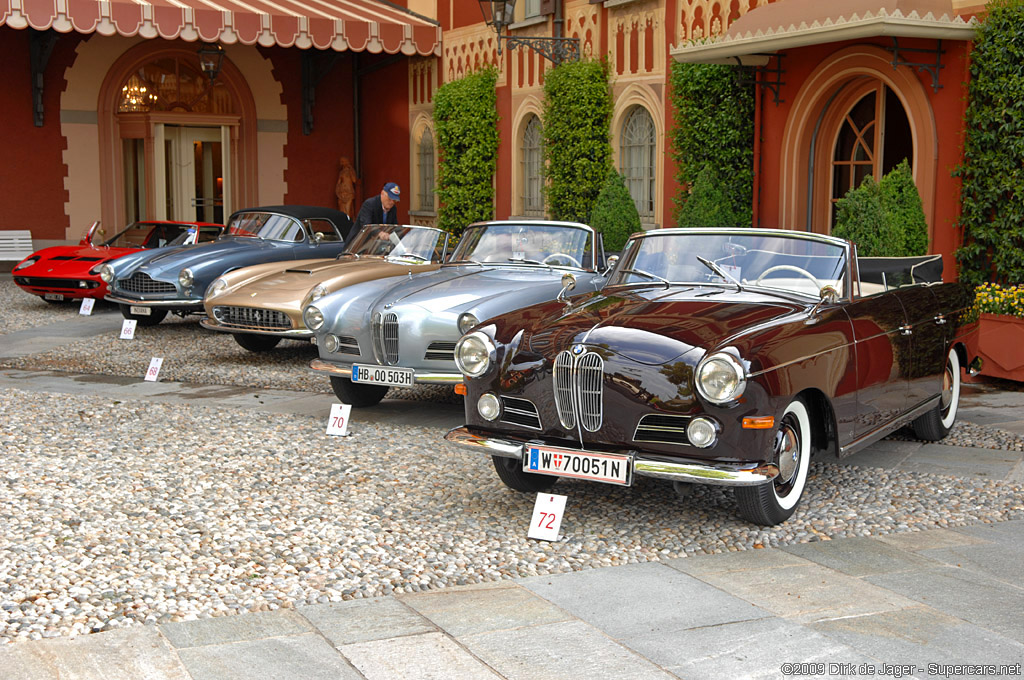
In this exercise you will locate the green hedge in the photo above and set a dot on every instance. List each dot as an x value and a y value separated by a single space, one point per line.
992 193
708 204
714 126
466 122
577 151
615 214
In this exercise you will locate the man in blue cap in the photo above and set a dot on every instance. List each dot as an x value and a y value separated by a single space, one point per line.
381 209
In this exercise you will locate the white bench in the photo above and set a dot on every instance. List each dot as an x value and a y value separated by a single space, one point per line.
15 245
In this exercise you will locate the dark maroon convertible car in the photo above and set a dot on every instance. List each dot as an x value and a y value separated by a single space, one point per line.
717 356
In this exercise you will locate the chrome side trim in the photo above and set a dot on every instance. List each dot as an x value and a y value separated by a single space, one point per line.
154 303
427 378
214 325
893 425
721 474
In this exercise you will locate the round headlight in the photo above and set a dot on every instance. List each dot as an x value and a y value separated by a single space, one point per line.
216 288
107 273
467 321
332 343
720 378
27 263
701 432
318 292
313 318
473 354
185 278
488 407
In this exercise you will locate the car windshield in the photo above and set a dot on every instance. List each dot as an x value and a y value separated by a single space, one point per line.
148 235
265 225
796 264
395 242
548 244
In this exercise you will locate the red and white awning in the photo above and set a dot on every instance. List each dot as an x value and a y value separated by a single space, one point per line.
358 25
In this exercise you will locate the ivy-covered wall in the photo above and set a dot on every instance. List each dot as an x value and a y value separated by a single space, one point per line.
992 172
466 123
714 126
577 151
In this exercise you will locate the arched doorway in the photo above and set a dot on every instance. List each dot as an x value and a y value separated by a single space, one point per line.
174 145
855 115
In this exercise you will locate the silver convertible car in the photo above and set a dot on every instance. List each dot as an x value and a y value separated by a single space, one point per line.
380 334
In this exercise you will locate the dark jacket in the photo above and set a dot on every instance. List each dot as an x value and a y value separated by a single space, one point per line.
372 212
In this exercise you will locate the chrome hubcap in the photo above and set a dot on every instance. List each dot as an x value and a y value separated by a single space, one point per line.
947 388
789 453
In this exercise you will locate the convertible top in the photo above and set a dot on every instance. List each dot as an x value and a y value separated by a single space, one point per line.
306 212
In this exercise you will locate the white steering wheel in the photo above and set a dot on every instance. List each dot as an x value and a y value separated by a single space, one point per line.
567 256
788 268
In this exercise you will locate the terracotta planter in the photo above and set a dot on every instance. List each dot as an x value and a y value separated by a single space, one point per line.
1000 342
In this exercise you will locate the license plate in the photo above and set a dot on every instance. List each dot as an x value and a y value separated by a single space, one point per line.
383 375
610 468
53 296
140 311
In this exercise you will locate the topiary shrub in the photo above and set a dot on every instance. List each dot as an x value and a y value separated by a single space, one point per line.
713 126
860 219
708 204
615 215
466 121
992 172
577 153
902 211
884 219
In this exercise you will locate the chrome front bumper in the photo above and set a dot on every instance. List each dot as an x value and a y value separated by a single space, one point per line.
426 378
179 304
295 333
702 473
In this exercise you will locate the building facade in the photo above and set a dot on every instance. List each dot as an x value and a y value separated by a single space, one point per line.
110 115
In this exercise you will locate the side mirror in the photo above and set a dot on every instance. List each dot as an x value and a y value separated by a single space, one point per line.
610 263
828 295
568 283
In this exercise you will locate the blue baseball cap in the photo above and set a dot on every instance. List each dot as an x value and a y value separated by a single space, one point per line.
393 191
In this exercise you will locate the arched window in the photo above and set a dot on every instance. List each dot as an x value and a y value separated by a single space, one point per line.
533 196
174 84
637 160
425 168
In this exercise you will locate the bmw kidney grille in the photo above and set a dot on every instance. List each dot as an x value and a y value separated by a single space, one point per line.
385 338
578 387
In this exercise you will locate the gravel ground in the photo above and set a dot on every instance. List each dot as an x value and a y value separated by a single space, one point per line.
20 310
117 513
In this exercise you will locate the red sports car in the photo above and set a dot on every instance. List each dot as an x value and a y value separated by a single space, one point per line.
63 273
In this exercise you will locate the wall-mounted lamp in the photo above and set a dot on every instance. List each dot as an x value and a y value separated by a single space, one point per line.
499 14
211 58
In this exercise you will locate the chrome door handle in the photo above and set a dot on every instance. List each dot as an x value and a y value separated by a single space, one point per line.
940 319
906 330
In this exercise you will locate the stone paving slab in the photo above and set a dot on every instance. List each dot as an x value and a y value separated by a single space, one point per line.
747 649
469 611
859 556
571 649
431 656
307 656
921 636
355 621
932 538
140 653
636 599
967 595
962 461
808 593
224 629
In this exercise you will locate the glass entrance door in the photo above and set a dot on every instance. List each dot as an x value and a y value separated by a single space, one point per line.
194 173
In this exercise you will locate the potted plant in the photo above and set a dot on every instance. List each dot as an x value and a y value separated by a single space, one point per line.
1000 337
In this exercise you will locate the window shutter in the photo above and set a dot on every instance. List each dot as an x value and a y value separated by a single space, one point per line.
547 7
